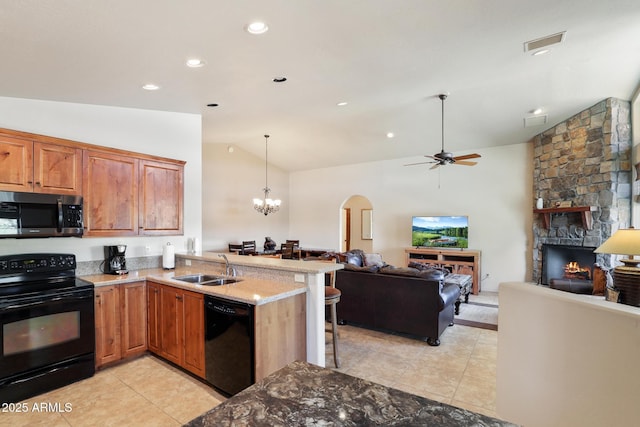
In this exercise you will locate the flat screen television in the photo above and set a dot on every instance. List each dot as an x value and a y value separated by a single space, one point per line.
440 231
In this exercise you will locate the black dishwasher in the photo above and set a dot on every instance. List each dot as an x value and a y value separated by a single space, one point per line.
229 349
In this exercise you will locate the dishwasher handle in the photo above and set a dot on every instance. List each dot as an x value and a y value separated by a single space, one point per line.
228 309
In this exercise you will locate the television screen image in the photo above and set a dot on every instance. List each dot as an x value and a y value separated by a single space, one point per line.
440 231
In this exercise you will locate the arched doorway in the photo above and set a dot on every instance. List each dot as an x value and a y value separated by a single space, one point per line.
356 228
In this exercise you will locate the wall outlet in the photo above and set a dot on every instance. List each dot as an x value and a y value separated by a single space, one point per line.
298 278
187 262
147 249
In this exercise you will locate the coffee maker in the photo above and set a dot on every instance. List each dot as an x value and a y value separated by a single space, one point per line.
114 261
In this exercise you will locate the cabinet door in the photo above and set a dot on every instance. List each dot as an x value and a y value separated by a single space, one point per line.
153 316
57 169
16 164
171 324
193 304
133 318
161 198
107 314
110 194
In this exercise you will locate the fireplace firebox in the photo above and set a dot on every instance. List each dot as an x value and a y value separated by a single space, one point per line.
564 265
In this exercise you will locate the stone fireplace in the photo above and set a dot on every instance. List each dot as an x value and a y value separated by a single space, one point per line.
584 162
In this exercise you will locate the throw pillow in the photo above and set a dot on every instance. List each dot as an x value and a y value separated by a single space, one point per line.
373 259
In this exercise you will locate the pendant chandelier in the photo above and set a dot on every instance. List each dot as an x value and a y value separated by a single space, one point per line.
266 205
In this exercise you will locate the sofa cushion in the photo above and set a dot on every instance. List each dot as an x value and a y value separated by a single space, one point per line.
428 267
432 274
373 259
365 269
400 271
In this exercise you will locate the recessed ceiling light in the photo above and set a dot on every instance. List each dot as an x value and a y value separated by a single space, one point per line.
195 63
390 135
280 79
257 27
342 104
150 86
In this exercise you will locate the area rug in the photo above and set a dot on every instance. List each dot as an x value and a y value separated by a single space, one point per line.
478 315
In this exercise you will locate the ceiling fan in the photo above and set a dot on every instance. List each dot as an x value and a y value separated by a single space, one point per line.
444 157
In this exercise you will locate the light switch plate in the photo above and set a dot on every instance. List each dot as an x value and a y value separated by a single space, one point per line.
298 278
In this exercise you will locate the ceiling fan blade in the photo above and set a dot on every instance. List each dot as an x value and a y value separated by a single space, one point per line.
435 166
468 156
465 163
419 163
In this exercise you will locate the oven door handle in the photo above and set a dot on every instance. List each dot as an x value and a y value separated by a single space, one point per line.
40 302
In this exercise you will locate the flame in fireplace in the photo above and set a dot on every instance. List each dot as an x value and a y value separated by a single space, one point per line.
573 270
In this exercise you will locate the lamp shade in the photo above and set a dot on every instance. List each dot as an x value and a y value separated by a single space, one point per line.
623 242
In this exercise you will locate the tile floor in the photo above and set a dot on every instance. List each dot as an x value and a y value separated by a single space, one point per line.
150 392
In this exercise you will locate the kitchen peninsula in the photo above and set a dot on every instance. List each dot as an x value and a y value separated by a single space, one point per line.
264 280
311 274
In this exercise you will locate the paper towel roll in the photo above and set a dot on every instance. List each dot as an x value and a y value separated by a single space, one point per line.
168 257
196 245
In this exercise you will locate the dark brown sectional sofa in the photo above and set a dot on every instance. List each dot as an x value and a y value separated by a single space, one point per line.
402 300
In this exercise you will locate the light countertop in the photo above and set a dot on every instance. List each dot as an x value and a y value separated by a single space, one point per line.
268 263
248 290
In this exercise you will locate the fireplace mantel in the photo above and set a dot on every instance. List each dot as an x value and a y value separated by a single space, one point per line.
585 211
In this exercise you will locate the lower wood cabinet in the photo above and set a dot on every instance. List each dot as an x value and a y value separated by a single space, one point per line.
176 326
121 321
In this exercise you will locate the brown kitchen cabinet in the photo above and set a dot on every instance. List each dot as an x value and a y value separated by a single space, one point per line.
161 198
176 326
110 194
39 167
121 322
126 196
107 312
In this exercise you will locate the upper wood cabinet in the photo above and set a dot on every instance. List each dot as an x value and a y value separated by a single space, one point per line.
125 193
39 167
110 194
161 198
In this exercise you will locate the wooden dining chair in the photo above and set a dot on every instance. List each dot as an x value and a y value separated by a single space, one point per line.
248 247
287 251
235 248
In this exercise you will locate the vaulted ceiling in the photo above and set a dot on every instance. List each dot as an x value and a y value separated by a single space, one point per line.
388 59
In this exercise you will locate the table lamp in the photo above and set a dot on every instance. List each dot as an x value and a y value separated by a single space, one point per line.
626 278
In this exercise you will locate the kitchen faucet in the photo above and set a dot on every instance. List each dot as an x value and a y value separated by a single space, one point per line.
228 268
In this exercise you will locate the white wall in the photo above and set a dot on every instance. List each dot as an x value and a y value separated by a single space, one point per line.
230 182
566 359
172 135
496 194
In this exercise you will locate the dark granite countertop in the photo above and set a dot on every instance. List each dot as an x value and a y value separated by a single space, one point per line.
302 394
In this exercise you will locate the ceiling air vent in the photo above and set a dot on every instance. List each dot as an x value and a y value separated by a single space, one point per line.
536 44
535 121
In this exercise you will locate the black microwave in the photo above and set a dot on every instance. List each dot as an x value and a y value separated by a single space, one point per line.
40 215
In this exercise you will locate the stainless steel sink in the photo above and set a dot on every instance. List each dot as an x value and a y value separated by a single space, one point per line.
221 281
207 279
